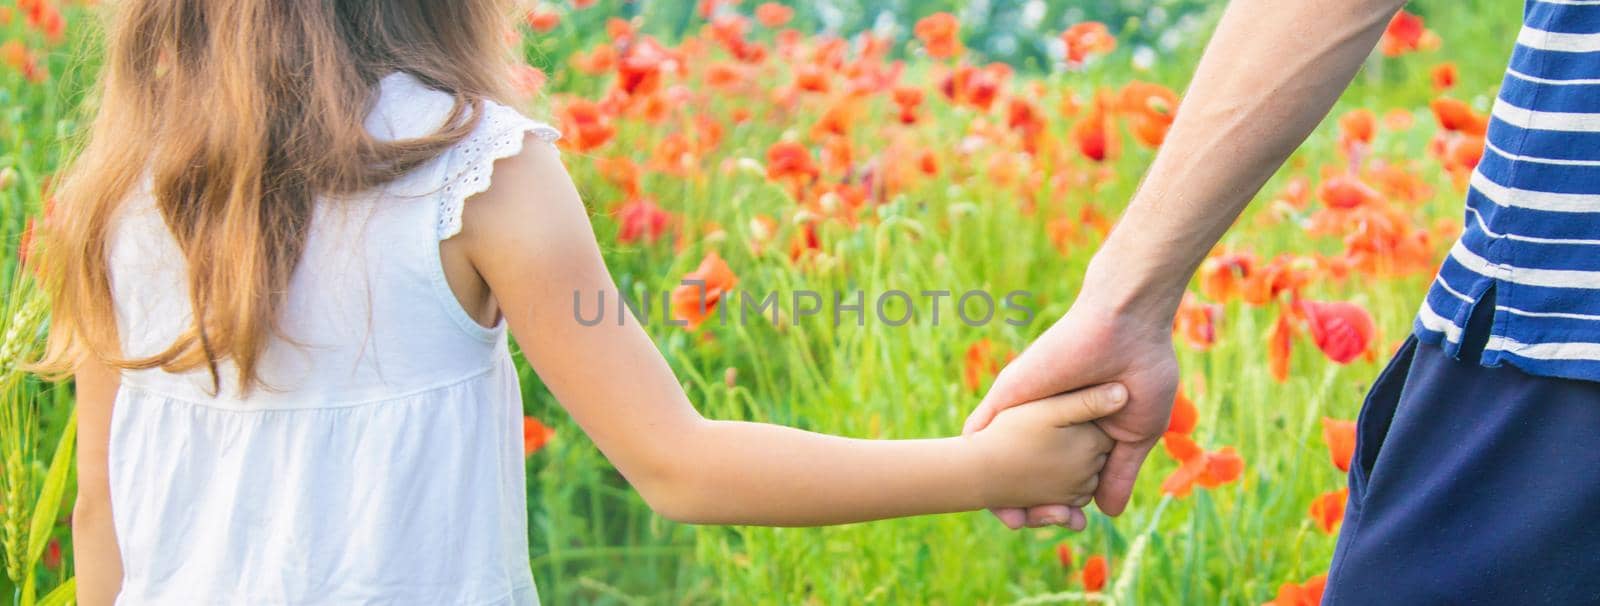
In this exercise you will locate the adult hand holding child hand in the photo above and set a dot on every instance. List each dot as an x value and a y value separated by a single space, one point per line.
1046 451
1095 342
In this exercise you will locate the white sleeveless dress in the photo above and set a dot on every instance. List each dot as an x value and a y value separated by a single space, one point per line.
384 463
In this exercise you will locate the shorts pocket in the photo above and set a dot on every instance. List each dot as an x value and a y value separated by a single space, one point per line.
1377 413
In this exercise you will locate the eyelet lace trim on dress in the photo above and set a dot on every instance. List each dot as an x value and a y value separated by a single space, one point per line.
498 136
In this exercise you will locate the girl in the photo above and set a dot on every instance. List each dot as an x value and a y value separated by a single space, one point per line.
283 280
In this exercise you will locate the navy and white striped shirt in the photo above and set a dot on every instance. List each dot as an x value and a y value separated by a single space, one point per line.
1533 207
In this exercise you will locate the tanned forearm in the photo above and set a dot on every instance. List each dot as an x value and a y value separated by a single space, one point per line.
1272 71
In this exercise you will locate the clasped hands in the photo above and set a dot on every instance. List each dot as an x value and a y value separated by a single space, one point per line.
1113 376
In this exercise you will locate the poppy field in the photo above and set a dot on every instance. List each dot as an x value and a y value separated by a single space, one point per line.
775 148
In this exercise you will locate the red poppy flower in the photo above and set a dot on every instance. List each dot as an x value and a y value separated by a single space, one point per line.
1444 76
1280 343
1307 594
908 99
1087 39
641 219
45 17
725 75
586 125
940 34
1064 555
543 21
535 435
1404 34
729 31
1064 232
1455 115
1222 467
1347 191
619 29
640 67
1341 439
1094 136
1181 447
1341 330
1197 322
694 303
983 86
527 80
787 160
1095 573
1210 470
773 15
1359 125
14 54
954 84
621 172
52 555
1327 510
805 242
1398 181
811 78
928 162
837 120
1222 276
1398 119
1463 153
1283 274
980 363
1024 117
1152 108
598 61
1184 415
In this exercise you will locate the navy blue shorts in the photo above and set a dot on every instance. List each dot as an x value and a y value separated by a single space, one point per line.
1471 485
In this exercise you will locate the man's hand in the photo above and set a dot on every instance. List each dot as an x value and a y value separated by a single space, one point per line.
1094 344
1269 75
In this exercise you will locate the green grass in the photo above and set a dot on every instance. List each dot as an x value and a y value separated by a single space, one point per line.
594 541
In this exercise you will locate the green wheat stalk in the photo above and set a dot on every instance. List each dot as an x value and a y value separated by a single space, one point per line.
18 416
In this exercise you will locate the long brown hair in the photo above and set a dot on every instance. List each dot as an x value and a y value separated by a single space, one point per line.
239 113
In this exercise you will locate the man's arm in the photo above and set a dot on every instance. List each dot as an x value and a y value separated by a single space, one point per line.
1269 76
1271 73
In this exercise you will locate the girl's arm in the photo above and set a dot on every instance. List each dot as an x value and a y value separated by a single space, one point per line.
530 240
94 539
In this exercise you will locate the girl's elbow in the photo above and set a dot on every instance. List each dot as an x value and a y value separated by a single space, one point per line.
91 515
91 507
676 482
678 496
675 509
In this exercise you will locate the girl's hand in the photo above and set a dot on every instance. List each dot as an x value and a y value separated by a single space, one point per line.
1046 451
1095 343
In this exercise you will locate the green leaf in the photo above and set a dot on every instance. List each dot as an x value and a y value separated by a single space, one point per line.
55 483
63 595
27 588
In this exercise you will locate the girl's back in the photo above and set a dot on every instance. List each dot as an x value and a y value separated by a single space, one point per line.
380 458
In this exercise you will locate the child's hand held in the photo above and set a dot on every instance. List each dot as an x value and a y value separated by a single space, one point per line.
1046 451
